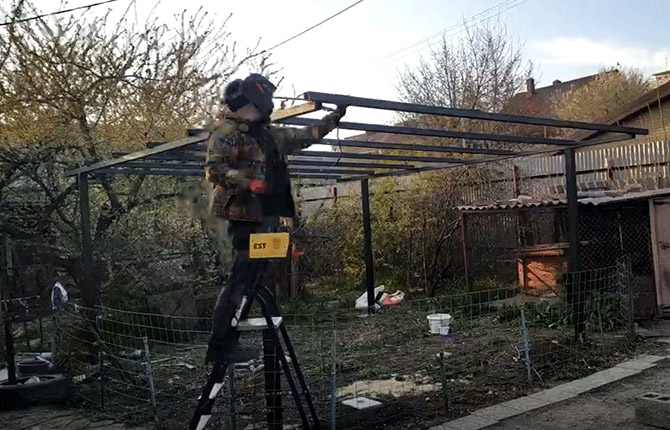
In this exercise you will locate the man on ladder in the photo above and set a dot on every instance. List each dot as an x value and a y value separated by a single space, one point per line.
250 189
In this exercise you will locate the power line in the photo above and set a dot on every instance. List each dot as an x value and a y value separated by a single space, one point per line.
314 26
88 6
444 30
455 31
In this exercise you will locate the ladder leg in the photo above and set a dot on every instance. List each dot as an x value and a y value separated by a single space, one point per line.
301 377
203 411
294 358
273 394
282 358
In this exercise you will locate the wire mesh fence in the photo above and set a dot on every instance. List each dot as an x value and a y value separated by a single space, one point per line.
385 371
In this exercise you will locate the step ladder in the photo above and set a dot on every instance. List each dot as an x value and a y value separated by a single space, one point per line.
276 342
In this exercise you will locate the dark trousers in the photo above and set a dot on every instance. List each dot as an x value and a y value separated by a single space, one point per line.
246 275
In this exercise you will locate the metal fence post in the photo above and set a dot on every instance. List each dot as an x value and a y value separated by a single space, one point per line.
233 396
526 347
150 377
599 310
333 383
98 326
627 283
443 377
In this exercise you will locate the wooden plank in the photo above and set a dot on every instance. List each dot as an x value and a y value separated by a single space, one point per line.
296 110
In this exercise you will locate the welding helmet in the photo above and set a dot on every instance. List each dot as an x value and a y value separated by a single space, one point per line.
254 90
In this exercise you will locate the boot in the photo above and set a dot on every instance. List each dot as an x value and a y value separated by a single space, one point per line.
234 353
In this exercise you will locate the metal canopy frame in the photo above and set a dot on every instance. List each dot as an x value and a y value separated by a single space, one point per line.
186 157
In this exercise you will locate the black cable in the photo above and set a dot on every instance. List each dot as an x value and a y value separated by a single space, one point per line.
313 27
445 30
450 32
88 6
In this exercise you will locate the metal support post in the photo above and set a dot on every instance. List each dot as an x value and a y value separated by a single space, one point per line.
367 244
573 210
90 293
575 293
466 253
5 266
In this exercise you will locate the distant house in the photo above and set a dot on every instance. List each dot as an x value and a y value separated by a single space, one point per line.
624 189
541 101
651 111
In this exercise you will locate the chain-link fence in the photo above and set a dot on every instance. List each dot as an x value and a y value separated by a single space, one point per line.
385 371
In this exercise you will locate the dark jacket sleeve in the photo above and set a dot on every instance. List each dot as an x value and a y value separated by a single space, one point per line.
291 139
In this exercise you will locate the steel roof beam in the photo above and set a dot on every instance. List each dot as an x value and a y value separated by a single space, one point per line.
140 154
384 157
321 163
339 99
413 147
300 171
146 172
176 156
163 165
436 132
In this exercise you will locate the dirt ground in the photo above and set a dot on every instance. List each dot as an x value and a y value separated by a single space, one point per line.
48 418
610 407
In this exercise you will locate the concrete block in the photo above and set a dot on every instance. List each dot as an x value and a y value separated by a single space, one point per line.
497 412
471 422
636 365
653 409
649 358
525 404
553 395
361 403
577 387
608 376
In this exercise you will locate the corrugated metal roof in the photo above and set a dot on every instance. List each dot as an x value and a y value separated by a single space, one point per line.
594 198
639 195
519 202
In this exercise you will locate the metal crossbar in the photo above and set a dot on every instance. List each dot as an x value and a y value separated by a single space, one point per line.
185 157
343 100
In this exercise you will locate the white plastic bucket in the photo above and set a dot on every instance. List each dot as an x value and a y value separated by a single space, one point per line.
438 322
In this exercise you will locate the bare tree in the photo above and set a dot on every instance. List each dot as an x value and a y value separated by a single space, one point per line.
482 70
79 88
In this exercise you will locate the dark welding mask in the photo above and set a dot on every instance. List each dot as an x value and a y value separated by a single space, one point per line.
255 90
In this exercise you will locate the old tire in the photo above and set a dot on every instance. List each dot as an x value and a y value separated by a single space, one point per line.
50 389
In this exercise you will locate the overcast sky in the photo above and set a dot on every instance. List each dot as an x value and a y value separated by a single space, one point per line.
357 53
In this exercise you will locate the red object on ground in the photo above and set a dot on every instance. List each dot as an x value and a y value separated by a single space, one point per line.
392 299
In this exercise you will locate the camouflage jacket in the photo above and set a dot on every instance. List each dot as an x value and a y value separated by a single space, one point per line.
241 156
